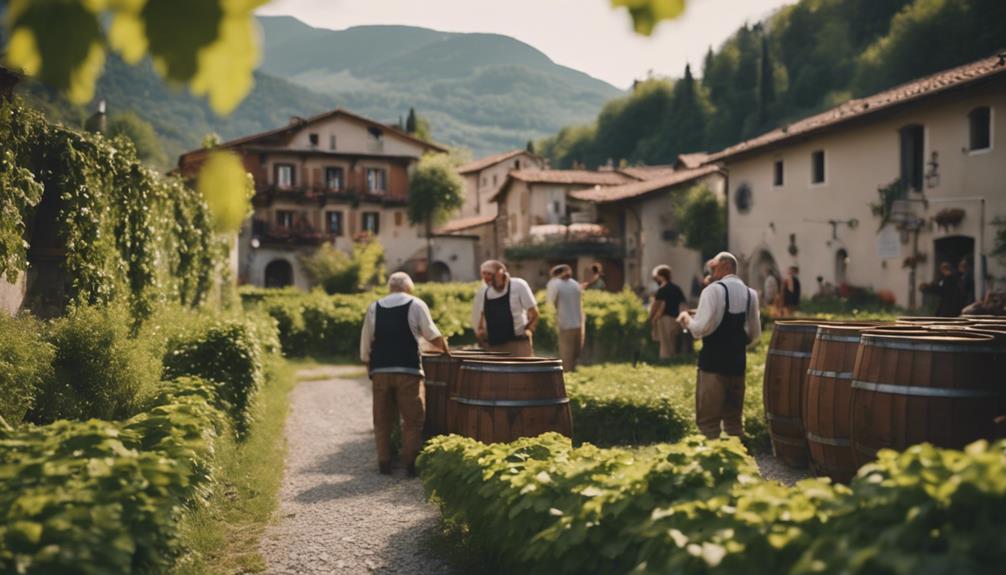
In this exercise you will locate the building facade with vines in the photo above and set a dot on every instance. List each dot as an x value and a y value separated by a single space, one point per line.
879 191
333 178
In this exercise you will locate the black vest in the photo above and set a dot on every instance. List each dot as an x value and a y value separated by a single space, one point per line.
499 317
725 350
395 347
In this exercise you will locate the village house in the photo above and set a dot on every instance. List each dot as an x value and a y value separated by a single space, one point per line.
334 177
878 191
538 225
643 217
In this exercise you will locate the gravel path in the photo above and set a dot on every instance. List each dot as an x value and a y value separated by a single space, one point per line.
772 468
336 513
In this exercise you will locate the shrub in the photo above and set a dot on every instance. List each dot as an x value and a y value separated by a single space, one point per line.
25 366
102 497
99 369
617 329
226 352
539 505
335 271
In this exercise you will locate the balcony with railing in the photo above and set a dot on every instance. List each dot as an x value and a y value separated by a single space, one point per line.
558 241
266 195
300 233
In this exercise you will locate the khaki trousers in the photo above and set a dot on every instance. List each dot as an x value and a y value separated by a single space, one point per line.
719 399
570 346
407 391
668 332
523 347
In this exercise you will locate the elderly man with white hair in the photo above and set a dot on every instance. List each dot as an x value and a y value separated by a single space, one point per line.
389 345
727 321
504 312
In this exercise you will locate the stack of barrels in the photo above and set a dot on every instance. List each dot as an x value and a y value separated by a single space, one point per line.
837 392
493 397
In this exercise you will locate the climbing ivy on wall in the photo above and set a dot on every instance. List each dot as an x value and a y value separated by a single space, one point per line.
128 231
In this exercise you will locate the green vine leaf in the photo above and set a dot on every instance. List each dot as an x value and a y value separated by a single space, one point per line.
224 185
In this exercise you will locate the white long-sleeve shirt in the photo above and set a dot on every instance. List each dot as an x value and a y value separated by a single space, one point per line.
521 300
711 303
420 321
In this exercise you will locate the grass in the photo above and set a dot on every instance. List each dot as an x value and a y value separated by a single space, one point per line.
224 536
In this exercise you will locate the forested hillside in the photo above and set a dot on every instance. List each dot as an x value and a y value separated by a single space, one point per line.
803 59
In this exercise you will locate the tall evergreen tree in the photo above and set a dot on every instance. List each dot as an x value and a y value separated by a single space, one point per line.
410 121
529 147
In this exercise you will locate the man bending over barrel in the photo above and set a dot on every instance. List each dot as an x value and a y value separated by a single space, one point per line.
504 313
727 321
389 345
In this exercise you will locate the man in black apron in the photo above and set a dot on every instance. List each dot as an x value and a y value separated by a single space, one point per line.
727 320
389 345
504 312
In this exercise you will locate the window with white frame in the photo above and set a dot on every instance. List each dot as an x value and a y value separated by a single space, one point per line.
283 176
376 180
284 219
980 132
333 178
333 223
817 174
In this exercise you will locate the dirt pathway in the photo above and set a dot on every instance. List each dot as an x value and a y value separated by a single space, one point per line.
337 514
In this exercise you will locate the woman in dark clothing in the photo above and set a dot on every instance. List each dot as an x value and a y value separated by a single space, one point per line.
791 291
949 291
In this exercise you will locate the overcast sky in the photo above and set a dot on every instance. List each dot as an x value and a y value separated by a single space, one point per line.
587 35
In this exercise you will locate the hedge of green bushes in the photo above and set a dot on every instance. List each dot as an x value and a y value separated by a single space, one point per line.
625 404
86 495
542 506
317 324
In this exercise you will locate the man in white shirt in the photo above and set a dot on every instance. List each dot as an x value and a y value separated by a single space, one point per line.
504 312
566 295
389 345
727 321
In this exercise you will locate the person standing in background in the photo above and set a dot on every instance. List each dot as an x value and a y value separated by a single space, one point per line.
948 288
727 321
504 312
667 304
566 295
791 291
967 282
389 345
771 291
596 278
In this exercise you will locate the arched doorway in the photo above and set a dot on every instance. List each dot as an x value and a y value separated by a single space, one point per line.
440 272
278 274
953 249
841 267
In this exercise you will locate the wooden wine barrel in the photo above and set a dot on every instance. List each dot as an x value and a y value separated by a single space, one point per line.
932 320
500 401
828 393
785 375
945 388
440 373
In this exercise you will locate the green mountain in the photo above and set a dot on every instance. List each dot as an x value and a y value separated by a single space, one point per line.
485 92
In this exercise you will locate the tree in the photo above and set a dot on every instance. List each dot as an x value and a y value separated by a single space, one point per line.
410 121
435 193
418 126
140 133
529 147
702 221
766 82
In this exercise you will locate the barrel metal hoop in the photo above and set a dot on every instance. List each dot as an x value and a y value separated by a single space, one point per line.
900 344
788 353
512 402
841 338
917 391
833 441
783 419
499 368
797 328
776 438
830 374
435 383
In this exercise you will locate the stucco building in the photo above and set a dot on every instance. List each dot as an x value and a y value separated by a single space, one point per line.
332 178
878 191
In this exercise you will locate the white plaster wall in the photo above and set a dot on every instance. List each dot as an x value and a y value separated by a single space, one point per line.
860 158
353 138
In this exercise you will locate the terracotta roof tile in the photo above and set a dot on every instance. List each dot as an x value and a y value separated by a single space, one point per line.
462 224
648 172
638 189
886 100
691 161
585 177
483 163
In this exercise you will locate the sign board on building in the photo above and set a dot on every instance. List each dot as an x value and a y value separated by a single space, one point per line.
889 243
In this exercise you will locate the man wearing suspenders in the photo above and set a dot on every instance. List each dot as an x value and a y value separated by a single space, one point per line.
389 345
727 321
504 312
